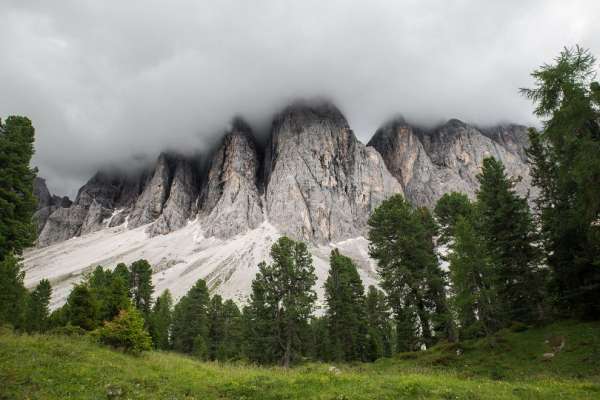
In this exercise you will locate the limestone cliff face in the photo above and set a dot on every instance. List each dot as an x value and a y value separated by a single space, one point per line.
230 200
322 183
448 158
313 181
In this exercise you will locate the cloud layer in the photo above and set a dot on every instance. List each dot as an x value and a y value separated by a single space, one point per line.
104 81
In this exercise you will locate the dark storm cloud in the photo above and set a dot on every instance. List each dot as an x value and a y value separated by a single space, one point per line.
106 80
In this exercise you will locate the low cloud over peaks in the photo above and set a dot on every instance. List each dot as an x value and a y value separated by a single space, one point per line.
106 81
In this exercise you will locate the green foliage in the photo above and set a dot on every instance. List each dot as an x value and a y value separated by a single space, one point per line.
13 294
190 321
346 313
448 209
126 332
82 307
17 203
160 321
505 222
225 330
140 283
402 244
566 169
37 315
281 302
380 341
110 292
471 275
87 370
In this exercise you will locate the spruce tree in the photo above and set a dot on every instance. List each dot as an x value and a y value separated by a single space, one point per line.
190 321
566 167
402 244
283 297
231 346
447 210
160 321
471 274
82 308
507 227
346 317
379 343
140 282
17 203
38 313
13 294
216 326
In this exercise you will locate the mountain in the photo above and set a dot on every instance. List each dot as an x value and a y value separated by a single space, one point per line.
215 216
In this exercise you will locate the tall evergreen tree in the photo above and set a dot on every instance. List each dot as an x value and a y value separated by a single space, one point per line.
216 326
140 282
231 345
17 203
13 294
190 321
566 169
507 227
160 321
346 317
401 242
447 210
471 273
38 312
82 307
282 294
379 342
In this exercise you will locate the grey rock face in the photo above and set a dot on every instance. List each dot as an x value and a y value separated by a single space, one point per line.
62 224
322 183
230 200
149 204
179 206
448 158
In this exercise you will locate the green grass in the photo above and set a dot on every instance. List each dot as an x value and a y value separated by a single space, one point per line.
55 367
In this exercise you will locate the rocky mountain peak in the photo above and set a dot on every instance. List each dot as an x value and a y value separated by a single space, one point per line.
322 182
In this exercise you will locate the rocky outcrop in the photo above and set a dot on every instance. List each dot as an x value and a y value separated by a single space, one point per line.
230 200
429 163
149 204
182 197
322 183
316 182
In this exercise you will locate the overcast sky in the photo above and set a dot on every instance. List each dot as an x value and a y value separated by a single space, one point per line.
104 81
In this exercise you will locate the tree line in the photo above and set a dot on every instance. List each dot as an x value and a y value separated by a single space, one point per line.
507 264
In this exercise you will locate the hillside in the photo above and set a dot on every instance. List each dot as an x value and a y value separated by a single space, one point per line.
513 369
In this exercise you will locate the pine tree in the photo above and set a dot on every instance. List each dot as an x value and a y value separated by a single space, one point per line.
471 273
140 282
344 295
190 321
447 210
13 294
401 241
216 326
566 169
38 313
507 227
82 308
260 327
231 346
160 321
379 343
283 297
17 203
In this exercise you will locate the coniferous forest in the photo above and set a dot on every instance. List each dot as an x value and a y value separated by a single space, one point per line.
464 270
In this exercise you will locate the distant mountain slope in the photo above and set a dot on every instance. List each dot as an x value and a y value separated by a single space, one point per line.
215 216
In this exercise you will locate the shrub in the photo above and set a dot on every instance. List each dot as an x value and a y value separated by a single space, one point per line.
127 332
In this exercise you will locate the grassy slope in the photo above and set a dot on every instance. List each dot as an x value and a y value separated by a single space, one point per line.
46 367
